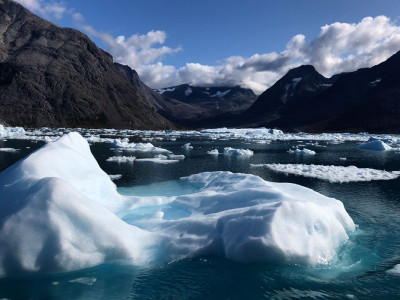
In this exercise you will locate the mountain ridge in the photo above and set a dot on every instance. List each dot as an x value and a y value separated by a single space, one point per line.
57 77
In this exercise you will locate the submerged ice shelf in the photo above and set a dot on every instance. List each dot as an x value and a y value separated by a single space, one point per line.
60 216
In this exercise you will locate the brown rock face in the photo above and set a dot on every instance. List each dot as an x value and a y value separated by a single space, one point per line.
57 77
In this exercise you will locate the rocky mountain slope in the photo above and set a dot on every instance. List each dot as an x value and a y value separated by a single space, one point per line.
188 105
172 109
365 100
197 106
296 87
222 99
57 77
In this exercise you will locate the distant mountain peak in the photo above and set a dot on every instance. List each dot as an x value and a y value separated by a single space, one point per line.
302 71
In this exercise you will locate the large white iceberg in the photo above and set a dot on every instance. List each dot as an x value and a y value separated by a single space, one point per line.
56 212
246 219
60 212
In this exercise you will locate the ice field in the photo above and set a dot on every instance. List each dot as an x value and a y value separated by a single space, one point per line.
139 214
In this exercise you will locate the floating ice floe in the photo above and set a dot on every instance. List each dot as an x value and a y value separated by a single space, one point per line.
140 147
187 147
121 159
213 152
9 150
395 270
162 159
237 152
60 212
376 145
11 132
302 151
115 176
332 173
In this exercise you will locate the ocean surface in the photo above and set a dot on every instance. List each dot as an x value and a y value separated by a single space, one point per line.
359 270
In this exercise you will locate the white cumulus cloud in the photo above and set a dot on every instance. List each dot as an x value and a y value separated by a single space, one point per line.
339 47
48 9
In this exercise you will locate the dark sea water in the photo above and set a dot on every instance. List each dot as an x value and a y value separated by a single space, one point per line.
358 271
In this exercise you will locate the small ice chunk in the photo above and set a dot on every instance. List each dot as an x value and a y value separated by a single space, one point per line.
187 147
395 270
376 145
159 159
11 132
213 152
8 150
122 159
237 152
115 177
140 147
303 151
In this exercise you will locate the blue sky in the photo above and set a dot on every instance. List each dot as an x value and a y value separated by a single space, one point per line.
251 43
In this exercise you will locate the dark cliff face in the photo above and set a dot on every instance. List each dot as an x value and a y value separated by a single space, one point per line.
365 100
297 87
57 77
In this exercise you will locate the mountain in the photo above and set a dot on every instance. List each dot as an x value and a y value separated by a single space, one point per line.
201 106
172 109
189 105
57 77
221 99
365 100
293 89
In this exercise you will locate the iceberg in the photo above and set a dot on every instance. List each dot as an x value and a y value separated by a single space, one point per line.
60 212
302 151
376 145
11 132
140 147
121 159
187 147
56 213
9 150
395 270
213 152
249 220
237 152
115 176
162 159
